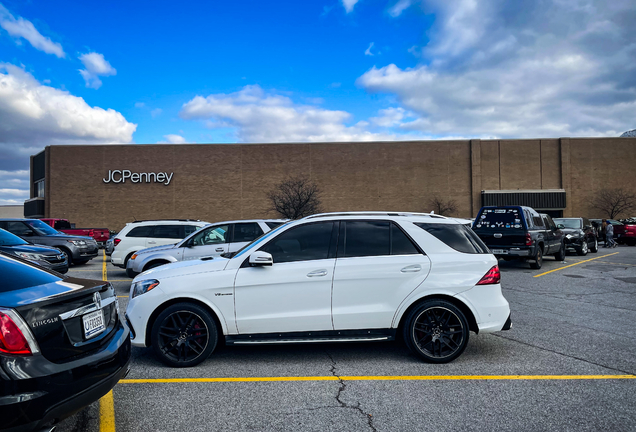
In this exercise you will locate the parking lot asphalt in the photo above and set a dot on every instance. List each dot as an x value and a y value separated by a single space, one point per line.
568 364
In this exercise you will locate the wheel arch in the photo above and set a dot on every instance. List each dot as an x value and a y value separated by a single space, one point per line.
468 313
216 316
156 260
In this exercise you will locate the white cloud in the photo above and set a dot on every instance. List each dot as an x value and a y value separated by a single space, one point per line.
368 50
349 4
173 139
21 28
257 116
155 112
139 104
549 69
399 7
96 66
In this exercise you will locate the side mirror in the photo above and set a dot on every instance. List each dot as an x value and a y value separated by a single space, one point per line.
260 258
560 226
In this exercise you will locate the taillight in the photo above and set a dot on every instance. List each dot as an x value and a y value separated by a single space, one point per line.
15 337
528 239
91 233
492 277
116 242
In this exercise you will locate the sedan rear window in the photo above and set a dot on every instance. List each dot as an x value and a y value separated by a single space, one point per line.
17 275
458 237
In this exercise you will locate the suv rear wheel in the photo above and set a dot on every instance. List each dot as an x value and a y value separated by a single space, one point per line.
582 251
184 335
437 331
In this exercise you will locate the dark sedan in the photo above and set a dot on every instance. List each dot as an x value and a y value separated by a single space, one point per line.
63 344
49 257
580 235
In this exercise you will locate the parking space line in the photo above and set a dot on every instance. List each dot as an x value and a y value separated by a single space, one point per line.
378 378
577 263
107 413
104 272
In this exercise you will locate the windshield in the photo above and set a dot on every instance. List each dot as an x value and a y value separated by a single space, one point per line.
259 240
569 223
8 239
41 228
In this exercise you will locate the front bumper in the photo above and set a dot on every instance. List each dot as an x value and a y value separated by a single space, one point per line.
573 242
36 393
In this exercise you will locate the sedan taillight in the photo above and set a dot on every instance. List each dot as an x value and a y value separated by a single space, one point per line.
492 277
15 337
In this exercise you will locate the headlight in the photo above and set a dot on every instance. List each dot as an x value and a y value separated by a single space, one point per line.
78 242
142 287
31 256
573 235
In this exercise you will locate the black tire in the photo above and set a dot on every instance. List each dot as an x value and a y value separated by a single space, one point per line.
437 331
537 261
131 274
582 251
80 262
184 335
594 248
69 256
560 255
155 264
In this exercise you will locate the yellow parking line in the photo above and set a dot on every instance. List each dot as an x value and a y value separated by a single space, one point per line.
123 296
572 265
121 280
107 413
378 378
104 272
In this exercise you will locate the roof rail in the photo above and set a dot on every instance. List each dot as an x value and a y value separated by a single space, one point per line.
377 213
166 220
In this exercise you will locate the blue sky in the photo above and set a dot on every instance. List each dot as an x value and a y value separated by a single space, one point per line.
341 70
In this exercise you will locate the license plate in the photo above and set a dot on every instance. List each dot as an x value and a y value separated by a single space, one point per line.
499 251
93 323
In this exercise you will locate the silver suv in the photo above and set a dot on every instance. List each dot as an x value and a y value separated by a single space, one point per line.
212 240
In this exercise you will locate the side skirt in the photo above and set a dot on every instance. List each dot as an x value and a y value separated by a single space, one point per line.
328 336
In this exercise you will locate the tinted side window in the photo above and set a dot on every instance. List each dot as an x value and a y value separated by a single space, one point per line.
459 237
168 231
303 243
366 238
189 229
18 228
537 222
400 243
273 225
246 232
142 231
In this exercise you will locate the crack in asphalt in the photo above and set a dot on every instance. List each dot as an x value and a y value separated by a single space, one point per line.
343 387
565 355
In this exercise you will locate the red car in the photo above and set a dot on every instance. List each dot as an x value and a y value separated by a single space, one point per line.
99 234
627 234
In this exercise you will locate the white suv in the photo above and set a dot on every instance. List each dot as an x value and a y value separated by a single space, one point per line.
364 276
143 234
212 240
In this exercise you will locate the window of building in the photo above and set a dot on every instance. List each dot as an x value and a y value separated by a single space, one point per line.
39 189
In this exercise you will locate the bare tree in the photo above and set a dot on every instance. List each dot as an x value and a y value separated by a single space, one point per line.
295 198
613 202
442 206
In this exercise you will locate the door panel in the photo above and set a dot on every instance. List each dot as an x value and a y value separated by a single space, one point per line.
368 290
284 297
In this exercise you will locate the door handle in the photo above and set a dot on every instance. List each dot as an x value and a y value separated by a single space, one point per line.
219 249
412 268
152 242
316 273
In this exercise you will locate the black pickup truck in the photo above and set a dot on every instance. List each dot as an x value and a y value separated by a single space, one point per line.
516 232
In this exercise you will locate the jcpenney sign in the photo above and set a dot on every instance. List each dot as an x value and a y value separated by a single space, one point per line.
120 176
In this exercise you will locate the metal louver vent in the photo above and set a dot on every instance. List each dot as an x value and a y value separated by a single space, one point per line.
553 199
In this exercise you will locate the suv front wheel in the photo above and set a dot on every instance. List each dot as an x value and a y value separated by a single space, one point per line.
437 331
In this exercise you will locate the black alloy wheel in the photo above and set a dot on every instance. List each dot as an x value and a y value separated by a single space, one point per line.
594 248
582 251
538 259
437 331
184 335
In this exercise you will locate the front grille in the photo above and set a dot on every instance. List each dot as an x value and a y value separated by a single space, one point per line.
55 259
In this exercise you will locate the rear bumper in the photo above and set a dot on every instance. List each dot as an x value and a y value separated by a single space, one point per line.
39 401
516 252
489 306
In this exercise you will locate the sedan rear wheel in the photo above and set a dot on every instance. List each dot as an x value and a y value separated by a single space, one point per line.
437 331
184 335
582 251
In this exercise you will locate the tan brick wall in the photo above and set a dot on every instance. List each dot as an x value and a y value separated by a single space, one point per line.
216 182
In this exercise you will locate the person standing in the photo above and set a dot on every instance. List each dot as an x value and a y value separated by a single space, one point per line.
603 234
609 235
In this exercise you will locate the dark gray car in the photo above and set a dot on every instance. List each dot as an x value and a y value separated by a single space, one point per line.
45 256
78 249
